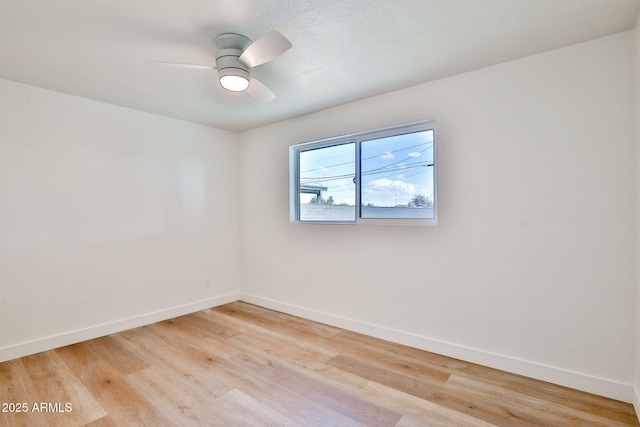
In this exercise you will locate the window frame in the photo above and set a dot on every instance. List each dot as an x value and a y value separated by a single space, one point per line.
357 139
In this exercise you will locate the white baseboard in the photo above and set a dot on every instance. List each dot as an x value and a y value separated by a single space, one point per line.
576 380
72 337
636 401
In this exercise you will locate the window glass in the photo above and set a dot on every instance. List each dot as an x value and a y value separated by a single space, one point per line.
397 176
327 191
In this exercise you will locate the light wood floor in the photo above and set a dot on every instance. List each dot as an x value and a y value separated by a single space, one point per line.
241 365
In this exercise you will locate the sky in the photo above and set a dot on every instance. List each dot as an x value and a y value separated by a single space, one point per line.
394 170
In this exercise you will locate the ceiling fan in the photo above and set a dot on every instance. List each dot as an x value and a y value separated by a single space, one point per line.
235 58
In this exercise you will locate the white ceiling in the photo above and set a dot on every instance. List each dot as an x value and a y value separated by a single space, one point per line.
343 50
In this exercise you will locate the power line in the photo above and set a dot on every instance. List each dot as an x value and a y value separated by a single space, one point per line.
386 169
429 146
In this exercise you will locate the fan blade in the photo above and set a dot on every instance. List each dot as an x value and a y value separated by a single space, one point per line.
264 49
259 91
183 65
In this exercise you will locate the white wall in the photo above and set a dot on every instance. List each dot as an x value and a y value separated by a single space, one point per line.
109 218
531 268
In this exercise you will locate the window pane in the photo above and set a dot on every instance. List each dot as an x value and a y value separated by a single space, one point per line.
397 176
327 190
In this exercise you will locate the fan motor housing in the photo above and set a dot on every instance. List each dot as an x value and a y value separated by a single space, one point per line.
228 64
232 41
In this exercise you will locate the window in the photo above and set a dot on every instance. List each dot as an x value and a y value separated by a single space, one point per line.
382 176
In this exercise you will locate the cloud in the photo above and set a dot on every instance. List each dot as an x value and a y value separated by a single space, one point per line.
398 185
415 154
387 155
387 192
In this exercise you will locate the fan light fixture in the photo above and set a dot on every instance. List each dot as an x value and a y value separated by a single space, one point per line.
234 83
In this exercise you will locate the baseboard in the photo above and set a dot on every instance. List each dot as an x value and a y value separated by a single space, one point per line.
576 380
72 337
636 401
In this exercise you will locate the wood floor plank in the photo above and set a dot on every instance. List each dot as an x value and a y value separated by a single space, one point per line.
183 336
115 354
463 401
124 404
102 422
174 396
212 339
55 382
238 409
240 364
17 390
275 321
355 341
391 362
297 352
206 322
330 394
409 422
176 361
415 385
424 411
346 378
284 399
554 413
166 333
231 325
607 408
